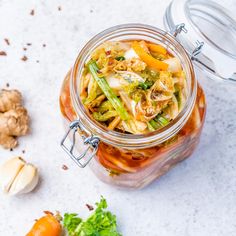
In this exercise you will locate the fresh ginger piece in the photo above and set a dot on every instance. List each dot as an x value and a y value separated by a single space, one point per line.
9 99
7 141
14 120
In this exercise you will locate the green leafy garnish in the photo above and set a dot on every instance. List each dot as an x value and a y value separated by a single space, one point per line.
100 223
146 85
121 58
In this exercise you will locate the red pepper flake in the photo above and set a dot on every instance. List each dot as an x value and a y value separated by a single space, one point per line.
7 41
48 212
24 49
110 61
2 53
64 167
108 52
29 44
32 12
24 58
44 45
89 207
59 8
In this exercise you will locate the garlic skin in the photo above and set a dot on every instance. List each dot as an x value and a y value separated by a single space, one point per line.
18 177
25 181
8 172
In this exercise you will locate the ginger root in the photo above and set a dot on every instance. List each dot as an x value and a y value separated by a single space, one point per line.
14 120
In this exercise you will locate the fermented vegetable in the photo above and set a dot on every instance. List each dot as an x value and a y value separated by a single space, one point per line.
133 87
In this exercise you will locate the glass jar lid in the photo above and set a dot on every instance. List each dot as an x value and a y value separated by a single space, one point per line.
208 33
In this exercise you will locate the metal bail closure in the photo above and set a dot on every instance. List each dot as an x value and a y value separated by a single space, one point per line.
90 141
181 28
178 29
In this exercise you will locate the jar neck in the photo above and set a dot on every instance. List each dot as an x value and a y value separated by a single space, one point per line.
133 32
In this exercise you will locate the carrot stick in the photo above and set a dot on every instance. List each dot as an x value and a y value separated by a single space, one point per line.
157 48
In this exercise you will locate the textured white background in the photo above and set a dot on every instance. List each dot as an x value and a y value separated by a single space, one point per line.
197 198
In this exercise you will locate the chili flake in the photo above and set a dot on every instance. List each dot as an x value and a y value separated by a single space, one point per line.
2 53
89 207
24 58
64 167
7 41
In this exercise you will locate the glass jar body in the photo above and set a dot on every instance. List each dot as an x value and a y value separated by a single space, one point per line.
136 168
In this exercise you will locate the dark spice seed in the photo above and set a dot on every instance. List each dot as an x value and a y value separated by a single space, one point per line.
64 167
29 44
7 41
89 207
7 85
24 58
32 12
2 53
24 49
59 8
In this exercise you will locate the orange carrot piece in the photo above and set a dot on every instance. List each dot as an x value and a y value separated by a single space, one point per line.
47 225
148 59
157 48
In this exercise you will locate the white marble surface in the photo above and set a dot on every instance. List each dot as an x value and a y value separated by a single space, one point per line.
196 198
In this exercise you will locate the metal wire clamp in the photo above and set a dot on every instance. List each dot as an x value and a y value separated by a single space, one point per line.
181 28
90 141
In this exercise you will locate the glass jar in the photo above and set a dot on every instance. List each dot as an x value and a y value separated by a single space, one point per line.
126 160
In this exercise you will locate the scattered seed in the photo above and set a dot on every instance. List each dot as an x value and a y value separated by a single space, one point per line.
7 41
11 149
59 8
7 85
64 167
24 58
29 44
44 45
24 49
23 151
2 53
37 61
32 12
89 207
91 11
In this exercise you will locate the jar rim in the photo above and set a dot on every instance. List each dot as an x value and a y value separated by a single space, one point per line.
115 138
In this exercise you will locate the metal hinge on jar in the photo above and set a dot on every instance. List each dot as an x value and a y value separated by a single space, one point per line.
181 28
91 142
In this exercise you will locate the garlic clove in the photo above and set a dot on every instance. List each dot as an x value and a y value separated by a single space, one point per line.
26 180
8 172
